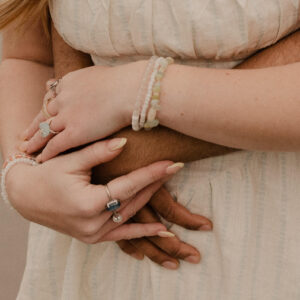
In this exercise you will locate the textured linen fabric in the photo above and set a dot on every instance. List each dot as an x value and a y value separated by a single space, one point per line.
252 197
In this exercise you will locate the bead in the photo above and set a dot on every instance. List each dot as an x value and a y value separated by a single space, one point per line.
151 114
170 60
117 218
155 95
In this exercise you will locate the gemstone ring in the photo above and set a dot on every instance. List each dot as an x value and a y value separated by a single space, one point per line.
112 205
45 129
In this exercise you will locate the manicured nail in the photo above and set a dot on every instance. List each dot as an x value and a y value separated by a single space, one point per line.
205 227
116 144
170 265
38 159
138 256
23 146
24 135
193 259
175 168
165 234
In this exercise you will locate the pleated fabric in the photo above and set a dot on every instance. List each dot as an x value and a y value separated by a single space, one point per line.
253 198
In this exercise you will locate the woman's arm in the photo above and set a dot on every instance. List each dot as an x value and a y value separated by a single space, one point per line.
247 109
25 68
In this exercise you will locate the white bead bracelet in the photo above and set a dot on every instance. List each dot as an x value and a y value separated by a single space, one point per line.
141 93
8 164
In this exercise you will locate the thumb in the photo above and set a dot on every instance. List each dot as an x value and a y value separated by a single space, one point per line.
97 153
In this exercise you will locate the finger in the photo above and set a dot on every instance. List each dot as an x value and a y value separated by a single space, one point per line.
163 203
129 210
93 155
173 245
130 249
132 231
129 185
155 254
38 141
34 126
41 117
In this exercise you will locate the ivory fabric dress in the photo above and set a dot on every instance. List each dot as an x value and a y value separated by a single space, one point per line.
253 198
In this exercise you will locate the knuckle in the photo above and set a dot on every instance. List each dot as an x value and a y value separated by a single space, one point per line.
169 213
88 230
131 188
175 249
86 209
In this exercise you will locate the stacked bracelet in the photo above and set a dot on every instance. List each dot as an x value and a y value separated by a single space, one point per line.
143 117
151 115
141 92
8 164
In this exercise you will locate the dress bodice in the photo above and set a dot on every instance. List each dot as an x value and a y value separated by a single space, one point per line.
216 33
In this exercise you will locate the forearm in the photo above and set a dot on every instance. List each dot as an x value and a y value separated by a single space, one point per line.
249 109
22 87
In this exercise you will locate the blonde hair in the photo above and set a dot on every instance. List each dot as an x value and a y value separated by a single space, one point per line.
22 11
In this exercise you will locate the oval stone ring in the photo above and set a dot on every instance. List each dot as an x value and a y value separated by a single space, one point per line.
45 129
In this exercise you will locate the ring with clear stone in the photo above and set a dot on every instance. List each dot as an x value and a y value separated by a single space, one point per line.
45 129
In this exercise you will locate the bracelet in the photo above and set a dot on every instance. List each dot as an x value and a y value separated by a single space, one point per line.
158 74
149 91
136 113
8 164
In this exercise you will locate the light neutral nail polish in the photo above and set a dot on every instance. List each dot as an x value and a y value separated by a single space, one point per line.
193 259
165 234
117 144
170 265
175 168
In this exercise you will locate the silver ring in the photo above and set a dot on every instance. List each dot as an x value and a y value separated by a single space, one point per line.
45 129
53 86
112 205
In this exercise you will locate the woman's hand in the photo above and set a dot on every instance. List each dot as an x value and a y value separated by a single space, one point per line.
90 104
58 194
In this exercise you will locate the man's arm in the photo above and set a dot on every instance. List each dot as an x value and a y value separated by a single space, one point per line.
163 143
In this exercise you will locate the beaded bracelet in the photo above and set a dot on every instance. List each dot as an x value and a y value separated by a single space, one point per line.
8 164
149 91
151 115
136 113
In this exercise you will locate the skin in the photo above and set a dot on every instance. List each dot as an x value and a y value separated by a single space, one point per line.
165 142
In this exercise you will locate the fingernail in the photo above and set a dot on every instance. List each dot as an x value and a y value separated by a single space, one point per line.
165 234
116 144
24 135
38 159
137 256
175 168
205 227
170 265
23 146
193 259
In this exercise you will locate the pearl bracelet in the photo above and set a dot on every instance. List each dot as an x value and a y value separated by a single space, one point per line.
136 113
8 164
158 74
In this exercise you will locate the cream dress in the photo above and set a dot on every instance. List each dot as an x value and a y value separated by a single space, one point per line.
253 198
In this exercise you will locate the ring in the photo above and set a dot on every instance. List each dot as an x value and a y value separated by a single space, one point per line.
45 129
45 109
53 86
112 205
